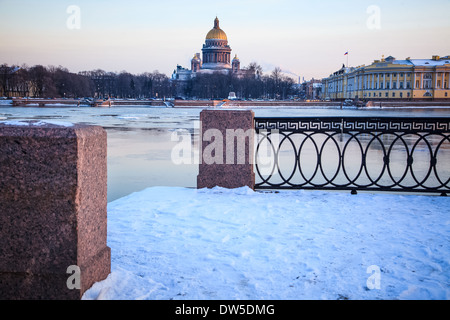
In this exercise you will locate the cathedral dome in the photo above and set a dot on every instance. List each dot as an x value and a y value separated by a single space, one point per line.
216 32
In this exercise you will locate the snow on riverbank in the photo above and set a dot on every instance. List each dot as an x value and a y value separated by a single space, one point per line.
180 243
37 123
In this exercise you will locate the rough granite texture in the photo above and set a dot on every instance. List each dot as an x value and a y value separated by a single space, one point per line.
225 175
52 210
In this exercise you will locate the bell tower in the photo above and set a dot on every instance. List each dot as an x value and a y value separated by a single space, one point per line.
235 64
196 63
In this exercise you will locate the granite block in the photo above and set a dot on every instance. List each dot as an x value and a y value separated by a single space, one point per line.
52 209
233 166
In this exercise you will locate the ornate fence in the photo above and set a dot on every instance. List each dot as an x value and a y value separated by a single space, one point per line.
353 153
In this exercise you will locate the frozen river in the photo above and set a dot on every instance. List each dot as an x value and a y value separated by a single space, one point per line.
140 138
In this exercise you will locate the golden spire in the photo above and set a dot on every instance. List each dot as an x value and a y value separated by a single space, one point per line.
216 23
216 32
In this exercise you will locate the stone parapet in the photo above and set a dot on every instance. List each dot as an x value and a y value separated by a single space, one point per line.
227 149
53 197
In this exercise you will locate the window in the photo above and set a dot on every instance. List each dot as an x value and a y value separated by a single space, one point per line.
401 85
402 74
401 94
387 94
417 83
393 94
388 85
446 94
438 84
427 80
408 85
394 85
395 75
408 94
369 94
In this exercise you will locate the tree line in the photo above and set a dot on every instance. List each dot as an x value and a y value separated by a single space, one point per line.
39 82
253 85
58 82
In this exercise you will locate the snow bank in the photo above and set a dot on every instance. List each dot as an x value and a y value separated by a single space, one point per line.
15 123
179 243
38 123
54 122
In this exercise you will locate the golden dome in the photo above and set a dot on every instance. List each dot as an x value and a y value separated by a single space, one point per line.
216 32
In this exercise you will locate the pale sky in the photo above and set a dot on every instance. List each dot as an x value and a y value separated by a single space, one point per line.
304 38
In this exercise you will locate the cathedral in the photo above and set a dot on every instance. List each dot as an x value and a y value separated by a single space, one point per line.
216 57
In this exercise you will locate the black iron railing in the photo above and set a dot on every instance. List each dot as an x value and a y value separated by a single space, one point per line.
353 153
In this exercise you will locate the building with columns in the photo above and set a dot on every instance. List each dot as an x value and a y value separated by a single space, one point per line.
216 51
215 57
388 78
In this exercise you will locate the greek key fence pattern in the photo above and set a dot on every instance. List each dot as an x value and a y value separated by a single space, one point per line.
353 153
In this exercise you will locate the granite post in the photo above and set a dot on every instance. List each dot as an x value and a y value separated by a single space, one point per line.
227 149
52 210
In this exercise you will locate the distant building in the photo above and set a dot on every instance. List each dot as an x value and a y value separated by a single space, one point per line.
12 83
388 78
216 57
312 89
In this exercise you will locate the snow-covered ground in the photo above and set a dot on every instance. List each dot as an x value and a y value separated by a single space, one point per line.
181 243
37 123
